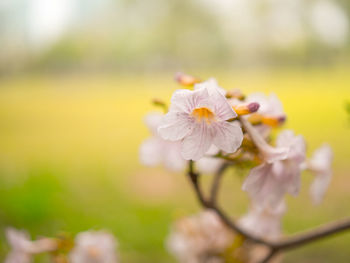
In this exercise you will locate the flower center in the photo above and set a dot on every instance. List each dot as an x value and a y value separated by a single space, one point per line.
203 114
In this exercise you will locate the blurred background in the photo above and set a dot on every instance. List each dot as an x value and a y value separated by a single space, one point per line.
77 77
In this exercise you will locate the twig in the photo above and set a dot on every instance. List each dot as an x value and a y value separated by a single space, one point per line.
269 256
275 246
216 182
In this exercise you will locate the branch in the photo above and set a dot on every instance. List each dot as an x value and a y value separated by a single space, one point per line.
216 182
275 246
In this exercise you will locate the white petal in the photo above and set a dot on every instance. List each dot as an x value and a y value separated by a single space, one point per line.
319 187
175 126
228 136
209 164
197 144
262 186
321 160
186 100
151 152
153 120
172 157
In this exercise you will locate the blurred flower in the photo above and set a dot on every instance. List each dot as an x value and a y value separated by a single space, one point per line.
268 182
321 166
155 150
94 247
199 238
270 110
330 23
264 223
23 248
209 164
199 119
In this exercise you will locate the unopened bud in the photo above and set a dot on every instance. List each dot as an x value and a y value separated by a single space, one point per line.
160 103
235 94
244 109
186 80
273 121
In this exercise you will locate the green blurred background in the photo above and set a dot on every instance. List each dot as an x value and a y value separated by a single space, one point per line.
77 77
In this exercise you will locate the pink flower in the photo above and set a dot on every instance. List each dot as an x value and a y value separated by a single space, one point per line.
23 248
209 164
321 166
94 247
199 119
269 105
269 182
155 150
199 238
264 223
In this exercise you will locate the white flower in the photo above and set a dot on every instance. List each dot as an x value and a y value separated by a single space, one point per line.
268 182
264 223
198 238
321 166
94 247
199 119
209 164
330 23
270 105
23 248
155 150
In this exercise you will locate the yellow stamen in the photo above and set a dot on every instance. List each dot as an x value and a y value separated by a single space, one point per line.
203 114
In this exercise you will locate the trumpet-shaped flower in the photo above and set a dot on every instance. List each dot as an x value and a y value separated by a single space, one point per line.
269 105
199 119
155 150
321 166
269 182
199 238
94 247
23 248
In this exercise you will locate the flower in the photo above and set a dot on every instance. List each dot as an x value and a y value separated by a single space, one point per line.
199 238
199 119
23 248
267 183
208 164
321 166
271 110
94 247
155 150
264 223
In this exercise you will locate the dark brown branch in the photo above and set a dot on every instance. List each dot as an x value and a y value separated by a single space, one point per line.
269 256
276 246
314 234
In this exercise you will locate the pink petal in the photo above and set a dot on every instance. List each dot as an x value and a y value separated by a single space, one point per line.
186 100
175 126
197 144
228 136
151 152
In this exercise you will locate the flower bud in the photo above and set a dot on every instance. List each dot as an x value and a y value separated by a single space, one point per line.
273 121
248 108
186 80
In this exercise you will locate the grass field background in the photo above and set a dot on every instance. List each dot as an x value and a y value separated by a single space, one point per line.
69 157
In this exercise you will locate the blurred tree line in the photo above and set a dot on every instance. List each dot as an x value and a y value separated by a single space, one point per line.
158 34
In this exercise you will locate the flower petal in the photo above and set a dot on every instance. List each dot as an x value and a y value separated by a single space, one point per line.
228 136
187 100
151 152
195 145
175 126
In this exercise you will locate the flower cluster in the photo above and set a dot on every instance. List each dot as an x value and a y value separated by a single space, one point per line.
211 127
88 247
